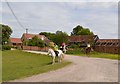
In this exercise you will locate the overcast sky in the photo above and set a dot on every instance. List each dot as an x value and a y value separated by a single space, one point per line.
100 17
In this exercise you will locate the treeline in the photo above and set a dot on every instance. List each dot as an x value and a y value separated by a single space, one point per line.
58 37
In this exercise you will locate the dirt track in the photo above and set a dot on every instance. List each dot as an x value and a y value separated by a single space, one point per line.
83 69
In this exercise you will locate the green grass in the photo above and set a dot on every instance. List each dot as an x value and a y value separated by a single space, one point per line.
18 64
94 54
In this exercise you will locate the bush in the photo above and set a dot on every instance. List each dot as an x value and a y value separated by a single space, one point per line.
73 46
35 41
6 47
75 51
41 43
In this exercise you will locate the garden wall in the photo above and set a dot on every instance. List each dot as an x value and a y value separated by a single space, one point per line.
34 48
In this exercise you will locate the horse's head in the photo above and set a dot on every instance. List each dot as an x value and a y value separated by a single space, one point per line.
49 51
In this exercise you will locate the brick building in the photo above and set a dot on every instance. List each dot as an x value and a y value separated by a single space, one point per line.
108 45
82 38
16 42
30 36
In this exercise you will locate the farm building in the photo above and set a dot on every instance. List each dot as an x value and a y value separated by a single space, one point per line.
15 42
82 39
18 42
30 36
108 45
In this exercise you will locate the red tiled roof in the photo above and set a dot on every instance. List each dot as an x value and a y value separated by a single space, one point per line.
108 40
30 36
81 38
15 40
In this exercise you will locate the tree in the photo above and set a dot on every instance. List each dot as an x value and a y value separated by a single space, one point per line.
79 30
33 41
59 37
6 32
48 35
40 43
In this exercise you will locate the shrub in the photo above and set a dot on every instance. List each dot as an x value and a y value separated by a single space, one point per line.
73 46
41 43
6 47
35 41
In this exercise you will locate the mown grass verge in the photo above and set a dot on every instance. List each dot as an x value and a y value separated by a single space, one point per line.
80 52
17 64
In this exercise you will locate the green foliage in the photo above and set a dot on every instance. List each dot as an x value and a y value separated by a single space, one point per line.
79 30
73 46
59 37
23 64
41 43
76 51
6 32
6 47
48 35
35 41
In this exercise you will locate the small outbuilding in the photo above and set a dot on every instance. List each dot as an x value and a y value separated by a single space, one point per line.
16 42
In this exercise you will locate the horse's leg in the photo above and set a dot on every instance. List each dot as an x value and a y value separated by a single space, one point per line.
59 59
84 50
88 52
65 51
62 57
53 61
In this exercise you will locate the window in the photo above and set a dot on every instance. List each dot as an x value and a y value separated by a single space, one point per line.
103 44
98 43
14 43
108 44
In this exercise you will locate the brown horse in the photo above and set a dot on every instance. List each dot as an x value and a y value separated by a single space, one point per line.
88 50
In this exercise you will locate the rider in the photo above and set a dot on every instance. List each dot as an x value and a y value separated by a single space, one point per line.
56 49
88 45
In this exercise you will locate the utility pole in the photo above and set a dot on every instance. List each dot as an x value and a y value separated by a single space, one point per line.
26 37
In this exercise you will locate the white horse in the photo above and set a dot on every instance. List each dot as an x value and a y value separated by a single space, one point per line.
63 48
52 53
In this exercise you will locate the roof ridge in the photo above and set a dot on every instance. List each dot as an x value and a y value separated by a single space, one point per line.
33 34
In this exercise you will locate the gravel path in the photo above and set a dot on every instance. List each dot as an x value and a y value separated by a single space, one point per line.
82 69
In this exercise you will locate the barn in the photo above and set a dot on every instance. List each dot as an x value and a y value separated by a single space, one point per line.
108 46
82 39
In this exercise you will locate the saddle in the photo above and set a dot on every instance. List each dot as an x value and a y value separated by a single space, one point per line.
56 53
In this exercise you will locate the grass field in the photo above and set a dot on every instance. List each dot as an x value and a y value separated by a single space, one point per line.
18 64
94 54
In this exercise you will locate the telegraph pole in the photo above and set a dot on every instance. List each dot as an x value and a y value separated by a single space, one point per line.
26 37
